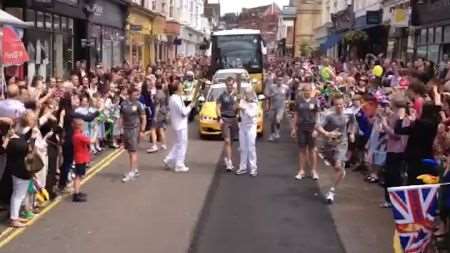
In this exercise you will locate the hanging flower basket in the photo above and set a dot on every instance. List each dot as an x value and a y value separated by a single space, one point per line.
355 37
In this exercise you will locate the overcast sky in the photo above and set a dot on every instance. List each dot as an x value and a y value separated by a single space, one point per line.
236 5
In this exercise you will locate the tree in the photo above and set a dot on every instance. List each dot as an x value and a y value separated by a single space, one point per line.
305 49
354 39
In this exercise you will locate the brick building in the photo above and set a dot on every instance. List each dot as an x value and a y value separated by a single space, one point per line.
265 18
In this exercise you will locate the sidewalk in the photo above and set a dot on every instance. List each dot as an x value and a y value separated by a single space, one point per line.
361 224
4 219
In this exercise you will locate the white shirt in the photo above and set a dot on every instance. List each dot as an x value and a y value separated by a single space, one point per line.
248 113
178 112
11 108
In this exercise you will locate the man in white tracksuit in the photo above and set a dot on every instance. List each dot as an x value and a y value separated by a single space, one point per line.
179 124
248 107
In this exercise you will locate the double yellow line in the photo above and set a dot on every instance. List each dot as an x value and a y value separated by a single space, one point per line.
10 233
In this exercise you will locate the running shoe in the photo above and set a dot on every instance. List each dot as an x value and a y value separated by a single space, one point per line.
136 173
181 169
300 175
153 149
315 175
271 138
167 164
330 197
228 165
241 171
164 147
253 172
128 177
78 198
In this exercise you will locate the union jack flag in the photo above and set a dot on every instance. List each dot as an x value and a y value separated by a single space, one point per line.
414 209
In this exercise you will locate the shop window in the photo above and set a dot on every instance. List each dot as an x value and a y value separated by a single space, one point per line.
438 35
31 17
433 53
56 22
430 35
64 24
423 37
48 21
422 52
70 25
447 34
40 19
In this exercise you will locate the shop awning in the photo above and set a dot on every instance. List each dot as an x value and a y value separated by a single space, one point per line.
331 41
14 52
8 19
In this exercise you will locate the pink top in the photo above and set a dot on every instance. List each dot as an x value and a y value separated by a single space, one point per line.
418 104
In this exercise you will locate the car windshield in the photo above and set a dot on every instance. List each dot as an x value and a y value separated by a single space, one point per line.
222 77
215 93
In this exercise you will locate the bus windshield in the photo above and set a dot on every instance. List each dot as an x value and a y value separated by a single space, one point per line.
238 51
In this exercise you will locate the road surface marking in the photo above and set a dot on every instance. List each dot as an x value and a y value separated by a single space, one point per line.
10 233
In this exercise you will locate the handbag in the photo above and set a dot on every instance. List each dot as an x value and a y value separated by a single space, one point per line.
33 160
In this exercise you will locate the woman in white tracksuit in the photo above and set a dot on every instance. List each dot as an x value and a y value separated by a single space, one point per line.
248 107
178 113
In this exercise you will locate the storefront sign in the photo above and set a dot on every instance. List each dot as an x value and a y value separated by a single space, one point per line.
373 17
400 17
43 3
136 28
107 13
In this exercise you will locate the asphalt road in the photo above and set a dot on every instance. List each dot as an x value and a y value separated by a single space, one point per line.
210 211
269 213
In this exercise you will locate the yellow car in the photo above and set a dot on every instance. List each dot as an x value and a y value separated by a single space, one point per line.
208 122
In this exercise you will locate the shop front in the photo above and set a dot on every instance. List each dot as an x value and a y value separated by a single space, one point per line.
160 39
377 32
106 32
190 41
333 45
433 29
51 39
172 31
139 39
396 15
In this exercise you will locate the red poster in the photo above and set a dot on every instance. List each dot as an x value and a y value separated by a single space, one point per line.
14 52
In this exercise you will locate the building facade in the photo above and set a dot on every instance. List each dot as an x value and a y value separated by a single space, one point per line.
66 31
307 20
264 18
286 30
432 22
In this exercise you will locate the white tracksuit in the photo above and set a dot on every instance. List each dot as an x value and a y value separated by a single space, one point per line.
247 134
179 124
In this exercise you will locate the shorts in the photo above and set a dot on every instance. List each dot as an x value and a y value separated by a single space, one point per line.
336 154
305 139
80 170
229 128
130 139
277 115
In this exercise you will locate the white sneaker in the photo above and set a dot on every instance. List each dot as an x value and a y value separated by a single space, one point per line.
330 197
164 147
153 149
277 135
315 175
136 173
253 172
181 169
241 171
271 138
128 177
228 164
299 177
167 164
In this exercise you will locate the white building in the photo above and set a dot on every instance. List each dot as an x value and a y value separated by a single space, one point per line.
193 27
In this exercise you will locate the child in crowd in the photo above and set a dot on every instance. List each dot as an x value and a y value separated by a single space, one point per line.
81 143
